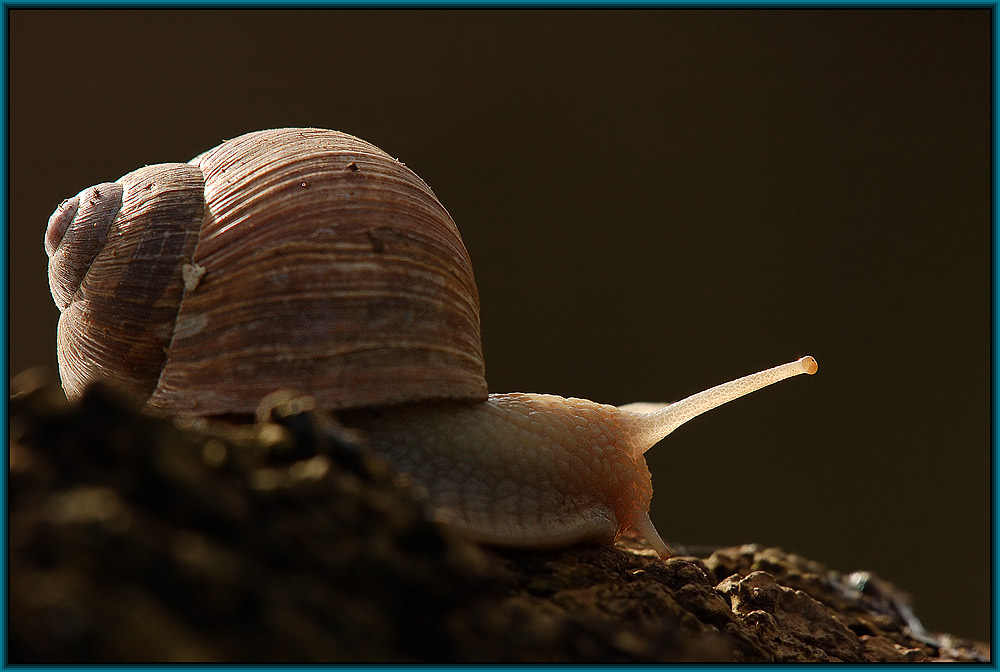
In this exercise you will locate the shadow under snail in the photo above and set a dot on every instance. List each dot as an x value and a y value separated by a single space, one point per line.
309 259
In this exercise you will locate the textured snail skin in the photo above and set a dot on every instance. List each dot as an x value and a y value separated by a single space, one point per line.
312 260
519 469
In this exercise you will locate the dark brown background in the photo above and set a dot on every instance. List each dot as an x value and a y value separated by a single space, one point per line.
655 201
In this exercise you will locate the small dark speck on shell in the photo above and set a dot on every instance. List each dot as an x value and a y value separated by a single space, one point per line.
378 245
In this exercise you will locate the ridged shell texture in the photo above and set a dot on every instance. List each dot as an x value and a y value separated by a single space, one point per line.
289 258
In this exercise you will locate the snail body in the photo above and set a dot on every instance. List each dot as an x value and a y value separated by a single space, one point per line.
310 259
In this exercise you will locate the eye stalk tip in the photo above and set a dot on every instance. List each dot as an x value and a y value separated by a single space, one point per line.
809 364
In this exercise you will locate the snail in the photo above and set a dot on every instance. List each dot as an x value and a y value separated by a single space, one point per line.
310 259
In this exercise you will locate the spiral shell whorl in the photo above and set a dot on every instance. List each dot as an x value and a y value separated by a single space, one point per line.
118 317
75 234
342 276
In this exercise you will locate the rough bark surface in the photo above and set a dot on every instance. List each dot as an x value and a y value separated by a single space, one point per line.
137 539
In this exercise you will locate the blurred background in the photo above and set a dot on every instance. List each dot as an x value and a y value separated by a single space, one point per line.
655 202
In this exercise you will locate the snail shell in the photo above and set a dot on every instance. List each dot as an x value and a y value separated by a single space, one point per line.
298 254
